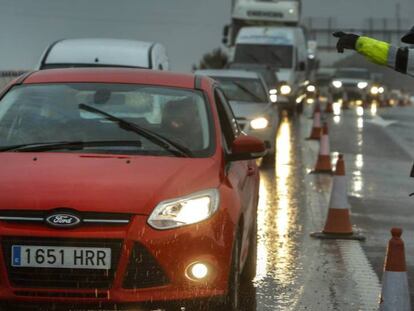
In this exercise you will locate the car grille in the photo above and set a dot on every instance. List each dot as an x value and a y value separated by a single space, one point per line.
143 271
25 277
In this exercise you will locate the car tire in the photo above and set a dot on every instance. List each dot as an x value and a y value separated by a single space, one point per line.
250 267
232 299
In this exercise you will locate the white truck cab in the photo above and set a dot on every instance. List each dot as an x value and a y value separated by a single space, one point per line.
247 13
284 48
96 52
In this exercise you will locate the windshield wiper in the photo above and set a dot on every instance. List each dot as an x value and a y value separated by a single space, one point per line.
151 136
246 90
73 145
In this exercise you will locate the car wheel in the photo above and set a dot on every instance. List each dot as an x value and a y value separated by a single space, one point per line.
232 300
249 269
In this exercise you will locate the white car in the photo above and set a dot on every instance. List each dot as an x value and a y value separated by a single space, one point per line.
97 52
256 111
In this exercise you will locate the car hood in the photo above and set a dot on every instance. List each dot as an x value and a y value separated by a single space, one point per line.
100 183
248 110
351 80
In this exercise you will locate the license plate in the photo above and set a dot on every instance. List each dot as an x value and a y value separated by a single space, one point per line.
61 257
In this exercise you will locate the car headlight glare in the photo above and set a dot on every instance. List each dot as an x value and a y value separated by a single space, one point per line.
273 92
374 90
362 85
273 98
311 88
259 123
285 89
337 84
381 90
184 211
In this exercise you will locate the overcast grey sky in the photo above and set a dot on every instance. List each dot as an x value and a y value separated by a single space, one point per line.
187 27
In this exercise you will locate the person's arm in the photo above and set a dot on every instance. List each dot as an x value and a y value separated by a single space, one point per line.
378 52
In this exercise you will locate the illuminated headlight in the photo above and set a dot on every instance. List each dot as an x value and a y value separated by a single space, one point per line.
381 90
273 98
273 91
337 84
184 211
374 90
285 89
311 88
362 85
259 123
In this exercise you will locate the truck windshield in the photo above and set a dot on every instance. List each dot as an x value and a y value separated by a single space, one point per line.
243 89
280 56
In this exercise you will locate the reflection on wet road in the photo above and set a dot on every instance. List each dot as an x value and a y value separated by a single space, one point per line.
278 225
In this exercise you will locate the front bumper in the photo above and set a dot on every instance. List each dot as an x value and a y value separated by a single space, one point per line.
150 265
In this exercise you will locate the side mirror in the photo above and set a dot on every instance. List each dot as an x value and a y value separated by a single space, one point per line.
302 66
226 29
247 148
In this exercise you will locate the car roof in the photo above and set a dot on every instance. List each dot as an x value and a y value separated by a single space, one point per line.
118 52
228 73
112 75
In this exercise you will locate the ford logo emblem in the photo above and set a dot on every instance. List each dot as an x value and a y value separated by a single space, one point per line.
63 220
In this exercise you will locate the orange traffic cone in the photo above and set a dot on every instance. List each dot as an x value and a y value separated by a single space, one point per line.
323 164
395 294
316 127
338 223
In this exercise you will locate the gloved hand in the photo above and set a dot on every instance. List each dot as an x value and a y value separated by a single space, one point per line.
346 41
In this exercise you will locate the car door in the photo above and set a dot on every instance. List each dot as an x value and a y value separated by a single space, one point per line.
243 175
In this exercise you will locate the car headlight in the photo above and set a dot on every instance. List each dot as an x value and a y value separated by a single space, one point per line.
186 210
374 90
259 123
285 89
381 90
311 88
273 92
337 84
362 85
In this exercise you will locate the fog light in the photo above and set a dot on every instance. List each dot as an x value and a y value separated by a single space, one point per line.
197 271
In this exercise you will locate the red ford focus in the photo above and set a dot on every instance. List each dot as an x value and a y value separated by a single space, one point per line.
124 186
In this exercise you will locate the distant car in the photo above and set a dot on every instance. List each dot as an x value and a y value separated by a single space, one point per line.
249 97
323 83
351 85
117 188
97 52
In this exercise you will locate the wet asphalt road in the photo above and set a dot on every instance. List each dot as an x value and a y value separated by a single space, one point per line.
378 159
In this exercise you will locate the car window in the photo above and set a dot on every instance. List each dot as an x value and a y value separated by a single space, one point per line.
46 113
227 120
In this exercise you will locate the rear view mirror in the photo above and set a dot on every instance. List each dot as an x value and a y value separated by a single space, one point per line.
247 148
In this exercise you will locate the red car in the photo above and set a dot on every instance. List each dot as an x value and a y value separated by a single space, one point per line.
124 186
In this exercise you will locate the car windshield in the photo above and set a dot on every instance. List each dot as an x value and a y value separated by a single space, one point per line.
55 113
243 89
352 74
280 56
